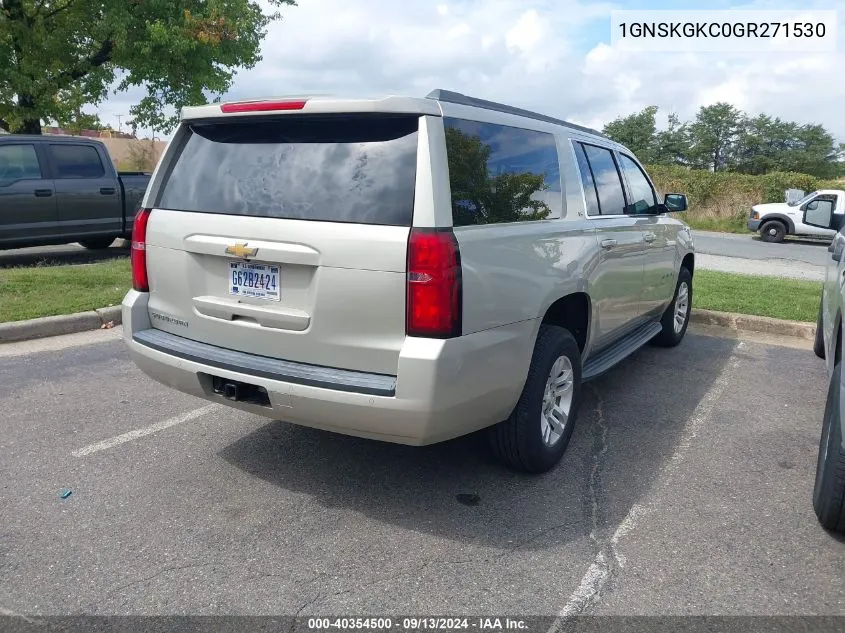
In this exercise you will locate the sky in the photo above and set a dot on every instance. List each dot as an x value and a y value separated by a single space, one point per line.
551 56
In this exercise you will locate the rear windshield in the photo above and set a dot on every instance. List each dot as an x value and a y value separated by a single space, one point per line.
359 169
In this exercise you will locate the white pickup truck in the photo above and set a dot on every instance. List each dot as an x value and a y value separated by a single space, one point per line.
776 220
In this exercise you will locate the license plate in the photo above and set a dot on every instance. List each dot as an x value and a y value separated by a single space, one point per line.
254 280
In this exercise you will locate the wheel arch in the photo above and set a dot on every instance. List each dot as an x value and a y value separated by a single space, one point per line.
783 219
688 262
574 313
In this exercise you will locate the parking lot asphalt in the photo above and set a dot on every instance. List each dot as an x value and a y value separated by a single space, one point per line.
686 489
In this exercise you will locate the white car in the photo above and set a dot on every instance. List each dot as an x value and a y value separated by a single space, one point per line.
402 269
776 220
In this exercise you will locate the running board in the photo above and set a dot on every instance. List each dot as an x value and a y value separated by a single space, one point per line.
618 351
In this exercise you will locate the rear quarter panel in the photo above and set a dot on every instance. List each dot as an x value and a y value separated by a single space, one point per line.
514 272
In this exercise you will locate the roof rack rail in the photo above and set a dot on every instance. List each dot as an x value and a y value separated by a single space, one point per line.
456 97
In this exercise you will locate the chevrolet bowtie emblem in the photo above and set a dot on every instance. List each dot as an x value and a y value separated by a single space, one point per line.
240 250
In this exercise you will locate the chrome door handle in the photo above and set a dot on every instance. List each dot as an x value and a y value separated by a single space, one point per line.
608 243
649 237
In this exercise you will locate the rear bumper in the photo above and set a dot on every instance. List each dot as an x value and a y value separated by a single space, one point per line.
442 389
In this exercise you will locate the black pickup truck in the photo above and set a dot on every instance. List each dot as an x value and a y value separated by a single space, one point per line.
61 189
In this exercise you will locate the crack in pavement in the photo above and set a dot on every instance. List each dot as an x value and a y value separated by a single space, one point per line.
609 561
166 570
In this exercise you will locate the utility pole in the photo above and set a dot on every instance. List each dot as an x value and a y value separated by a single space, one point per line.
119 117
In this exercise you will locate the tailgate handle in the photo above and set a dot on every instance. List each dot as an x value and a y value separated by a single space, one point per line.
265 316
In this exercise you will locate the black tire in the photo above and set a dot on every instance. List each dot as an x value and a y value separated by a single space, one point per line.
97 243
669 336
518 441
829 489
773 231
818 342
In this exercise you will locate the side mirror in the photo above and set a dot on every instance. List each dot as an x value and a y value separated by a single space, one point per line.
821 216
675 202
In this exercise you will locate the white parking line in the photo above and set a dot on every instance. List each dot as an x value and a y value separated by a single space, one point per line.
599 571
143 432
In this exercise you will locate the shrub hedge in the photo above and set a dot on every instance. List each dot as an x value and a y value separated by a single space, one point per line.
727 195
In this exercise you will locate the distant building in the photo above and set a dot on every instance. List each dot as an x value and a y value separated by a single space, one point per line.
108 133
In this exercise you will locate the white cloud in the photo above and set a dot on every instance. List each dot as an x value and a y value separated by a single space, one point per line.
527 32
549 55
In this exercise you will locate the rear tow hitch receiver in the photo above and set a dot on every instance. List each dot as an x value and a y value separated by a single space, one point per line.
237 391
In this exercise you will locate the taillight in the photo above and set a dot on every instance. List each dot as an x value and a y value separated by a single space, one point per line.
139 251
263 106
434 301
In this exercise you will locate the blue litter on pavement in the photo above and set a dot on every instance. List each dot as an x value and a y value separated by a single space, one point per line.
64 493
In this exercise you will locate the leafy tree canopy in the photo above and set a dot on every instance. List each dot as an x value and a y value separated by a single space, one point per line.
65 53
637 132
723 138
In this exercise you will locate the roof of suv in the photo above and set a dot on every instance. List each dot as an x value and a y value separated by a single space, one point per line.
319 104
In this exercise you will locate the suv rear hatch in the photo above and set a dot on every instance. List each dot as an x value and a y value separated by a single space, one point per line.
286 236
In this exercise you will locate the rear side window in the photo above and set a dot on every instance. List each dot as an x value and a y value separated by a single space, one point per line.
501 174
359 169
590 195
76 161
642 195
608 181
18 162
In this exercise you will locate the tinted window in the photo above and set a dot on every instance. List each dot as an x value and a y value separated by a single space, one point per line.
338 169
76 161
499 173
587 181
642 195
608 182
18 162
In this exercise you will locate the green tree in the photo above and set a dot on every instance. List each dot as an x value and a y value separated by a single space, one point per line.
672 144
761 142
73 119
637 132
815 153
58 53
767 144
481 198
713 136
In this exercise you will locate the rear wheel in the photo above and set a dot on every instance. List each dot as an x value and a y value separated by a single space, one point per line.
97 243
534 437
675 319
818 342
829 490
773 231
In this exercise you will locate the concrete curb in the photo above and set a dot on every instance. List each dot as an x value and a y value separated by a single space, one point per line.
768 325
94 320
58 325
